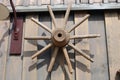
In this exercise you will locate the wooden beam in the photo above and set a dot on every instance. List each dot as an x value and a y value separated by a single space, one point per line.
69 1
6 2
77 1
39 2
64 7
29 65
84 1
44 59
91 1
14 68
43 2
112 1
38 38
118 1
105 1
98 48
26 3
33 2
81 62
13 65
112 33
4 38
19 2
57 2
98 1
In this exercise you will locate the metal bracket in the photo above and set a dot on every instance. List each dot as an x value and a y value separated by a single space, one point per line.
16 37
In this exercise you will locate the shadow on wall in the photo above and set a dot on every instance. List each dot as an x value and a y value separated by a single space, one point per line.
4 32
117 77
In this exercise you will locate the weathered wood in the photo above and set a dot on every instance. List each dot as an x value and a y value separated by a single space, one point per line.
112 31
42 50
39 2
19 2
55 2
68 75
78 23
81 7
80 52
4 36
13 65
53 58
85 36
98 1
77 1
41 25
58 68
45 2
105 1
14 68
99 68
91 1
84 1
67 60
38 38
30 46
33 3
82 64
69 1
26 2
14 2
1 1
6 2
112 1
44 59
118 0
52 16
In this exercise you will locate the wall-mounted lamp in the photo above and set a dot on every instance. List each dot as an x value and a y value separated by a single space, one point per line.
4 12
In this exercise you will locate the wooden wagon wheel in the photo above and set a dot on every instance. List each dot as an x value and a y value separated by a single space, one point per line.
60 38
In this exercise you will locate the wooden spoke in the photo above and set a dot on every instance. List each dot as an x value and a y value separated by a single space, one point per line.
80 52
38 38
41 25
52 16
54 54
77 24
42 50
67 59
66 16
85 36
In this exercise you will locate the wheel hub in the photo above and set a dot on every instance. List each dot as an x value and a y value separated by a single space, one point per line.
60 37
